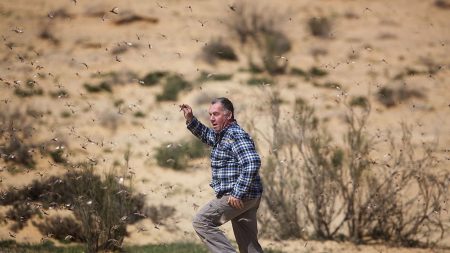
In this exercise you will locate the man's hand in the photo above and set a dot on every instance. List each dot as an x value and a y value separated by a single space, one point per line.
235 202
187 111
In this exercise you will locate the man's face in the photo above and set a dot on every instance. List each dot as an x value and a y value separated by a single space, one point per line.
218 116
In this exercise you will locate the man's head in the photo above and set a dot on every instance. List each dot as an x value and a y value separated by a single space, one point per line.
221 113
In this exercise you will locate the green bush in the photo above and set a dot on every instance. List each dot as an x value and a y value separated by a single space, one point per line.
104 207
173 85
360 101
320 27
103 86
390 97
20 213
299 72
313 72
61 93
216 49
139 114
205 76
259 81
327 85
57 156
177 156
317 72
153 78
28 92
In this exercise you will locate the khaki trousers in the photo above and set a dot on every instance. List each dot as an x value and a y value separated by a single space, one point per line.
215 213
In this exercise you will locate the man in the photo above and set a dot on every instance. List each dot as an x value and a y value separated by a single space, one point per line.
235 180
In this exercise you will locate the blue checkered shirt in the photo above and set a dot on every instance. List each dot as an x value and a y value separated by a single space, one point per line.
234 160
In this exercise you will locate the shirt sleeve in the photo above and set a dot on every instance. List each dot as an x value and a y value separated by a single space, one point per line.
205 134
248 160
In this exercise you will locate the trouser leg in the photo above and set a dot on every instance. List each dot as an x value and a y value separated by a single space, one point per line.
215 213
245 230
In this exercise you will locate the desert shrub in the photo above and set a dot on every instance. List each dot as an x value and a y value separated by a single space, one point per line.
317 72
313 72
205 76
61 93
103 207
176 156
443 4
139 114
66 114
259 81
299 72
20 213
318 189
327 85
58 155
174 84
63 228
320 27
47 33
30 89
390 97
261 29
103 86
153 78
360 101
116 77
16 131
216 49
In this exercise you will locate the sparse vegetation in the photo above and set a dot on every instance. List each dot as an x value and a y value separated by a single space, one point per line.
103 207
153 78
15 135
320 27
139 114
61 93
10 246
317 189
174 84
216 49
327 85
261 29
205 76
443 4
259 81
299 72
29 90
20 213
313 72
317 72
176 156
360 101
103 86
58 155
390 97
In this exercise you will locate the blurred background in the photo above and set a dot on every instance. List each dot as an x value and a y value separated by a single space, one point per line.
347 101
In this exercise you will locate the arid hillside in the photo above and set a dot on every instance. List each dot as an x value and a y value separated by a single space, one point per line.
98 84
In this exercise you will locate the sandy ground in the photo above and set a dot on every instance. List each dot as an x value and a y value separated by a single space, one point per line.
371 42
